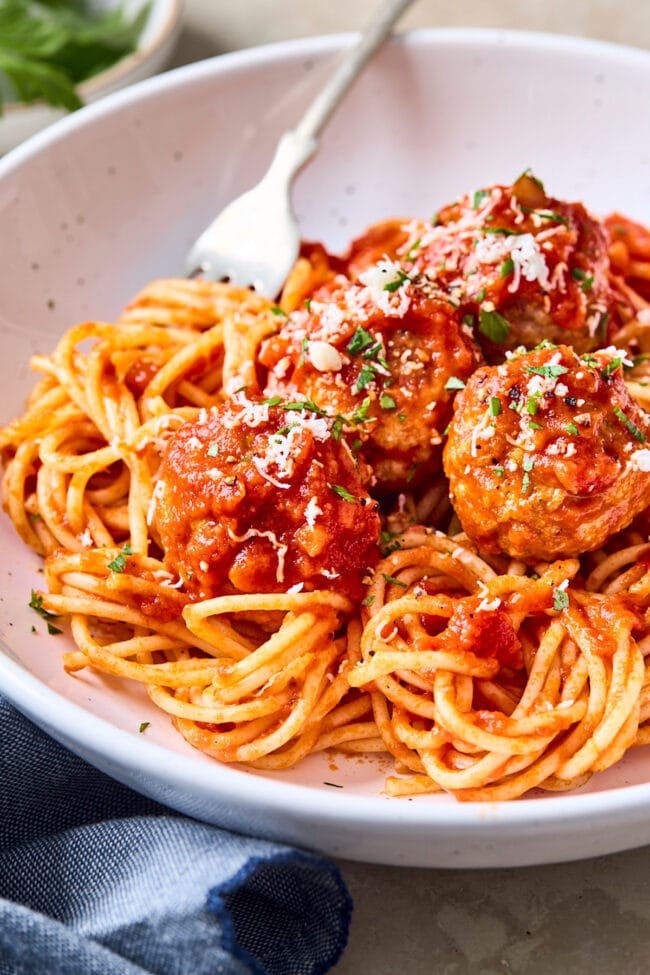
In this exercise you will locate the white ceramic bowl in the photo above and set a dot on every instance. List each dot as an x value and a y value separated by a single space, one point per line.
155 46
112 196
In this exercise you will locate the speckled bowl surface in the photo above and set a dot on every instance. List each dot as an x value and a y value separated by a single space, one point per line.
111 197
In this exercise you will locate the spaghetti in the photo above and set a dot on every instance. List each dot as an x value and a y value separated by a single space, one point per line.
243 506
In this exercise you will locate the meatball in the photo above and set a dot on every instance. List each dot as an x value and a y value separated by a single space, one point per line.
384 355
526 266
256 497
547 454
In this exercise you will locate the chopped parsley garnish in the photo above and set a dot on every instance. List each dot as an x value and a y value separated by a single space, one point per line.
411 252
343 493
360 341
143 726
468 320
549 372
303 350
402 417
36 603
213 450
361 415
479 196
533 425
276 310
495 406
366 376
119 562
454 383
587 279
507 267
560 600
546 214
493 325
305 404
499 471
387 402
411 472
393 581
504 231
398 282
389 542
480 295
572 429
532 405
611 367
368 601
528 464
273 401
632 427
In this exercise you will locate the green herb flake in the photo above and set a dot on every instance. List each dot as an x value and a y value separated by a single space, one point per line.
213 450
303 350
549 372
572 429
493 325
507 267
360 341
391 580
454 383
366 376
503 231
276 310
413 249
343 493
533 425
499 471
629 425
306 404
119 562
478 198
143 726
387 402
368 601
532 405
495 406
560 600
546 215
611 367
36 603
480 295
401 278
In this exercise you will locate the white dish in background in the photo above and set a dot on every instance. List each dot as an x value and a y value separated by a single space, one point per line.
111 197
155 45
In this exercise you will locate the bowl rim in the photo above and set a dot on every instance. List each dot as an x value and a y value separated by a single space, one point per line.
93 86
119 748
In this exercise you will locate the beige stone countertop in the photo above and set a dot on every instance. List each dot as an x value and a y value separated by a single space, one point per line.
585 918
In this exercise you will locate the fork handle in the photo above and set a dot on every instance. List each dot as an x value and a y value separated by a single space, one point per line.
299 144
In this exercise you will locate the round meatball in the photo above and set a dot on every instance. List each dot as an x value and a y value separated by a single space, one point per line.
547 454
385 356
256 497
526 266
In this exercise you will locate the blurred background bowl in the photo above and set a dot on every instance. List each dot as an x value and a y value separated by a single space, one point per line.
153 52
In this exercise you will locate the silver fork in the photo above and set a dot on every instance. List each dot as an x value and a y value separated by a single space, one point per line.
229 249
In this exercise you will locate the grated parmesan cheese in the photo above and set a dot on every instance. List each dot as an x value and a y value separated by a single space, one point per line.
524 252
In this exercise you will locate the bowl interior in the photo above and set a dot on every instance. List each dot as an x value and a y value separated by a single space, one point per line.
110 198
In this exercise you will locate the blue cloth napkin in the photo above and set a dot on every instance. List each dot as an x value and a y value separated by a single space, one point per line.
97 880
